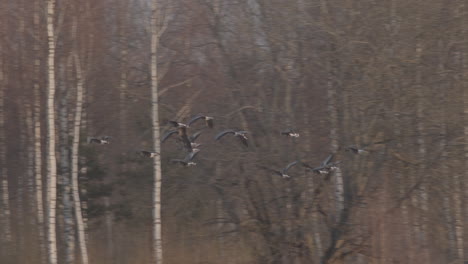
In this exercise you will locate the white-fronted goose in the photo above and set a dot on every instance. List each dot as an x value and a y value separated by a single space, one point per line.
187 161
177 124
102 141
148 154
355 149
325 167
240 134
208 120
282 172
290 133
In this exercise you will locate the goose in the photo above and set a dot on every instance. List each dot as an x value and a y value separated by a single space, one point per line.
177 124
194 137
325 167
282 172
148 154
185 139
237 133
290 133
208 120
187 161
356 150
362 149
102 141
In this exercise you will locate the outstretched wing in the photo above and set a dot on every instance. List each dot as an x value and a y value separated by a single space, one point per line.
191 156
290 165
195 135
327 160
225 132
168 134
195 118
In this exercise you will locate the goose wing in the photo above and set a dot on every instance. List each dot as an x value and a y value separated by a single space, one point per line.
191 156
195 118
223 133
195 135
327 160
168 134
290 165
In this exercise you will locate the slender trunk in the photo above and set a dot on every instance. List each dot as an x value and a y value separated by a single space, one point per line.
65 169
157 236
75 160
38 137
51 159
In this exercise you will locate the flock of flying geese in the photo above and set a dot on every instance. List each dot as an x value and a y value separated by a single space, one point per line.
192 149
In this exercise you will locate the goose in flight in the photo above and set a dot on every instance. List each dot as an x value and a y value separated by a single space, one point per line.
363 148
356 150
325 167
194 137
103 140
290 133
187 161
148 154
240 134
283 171
177 124
182 132
208 120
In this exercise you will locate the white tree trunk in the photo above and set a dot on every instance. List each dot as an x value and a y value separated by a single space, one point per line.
75 160
51 159
157 236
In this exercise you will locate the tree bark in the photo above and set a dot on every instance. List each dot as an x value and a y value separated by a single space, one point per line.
156 205
75 160
64 164
51 158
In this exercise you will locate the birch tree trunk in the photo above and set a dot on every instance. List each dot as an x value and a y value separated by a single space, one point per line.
51 159
37 137
156 205
75 160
